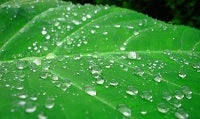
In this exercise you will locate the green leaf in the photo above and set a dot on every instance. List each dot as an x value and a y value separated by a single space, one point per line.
60 60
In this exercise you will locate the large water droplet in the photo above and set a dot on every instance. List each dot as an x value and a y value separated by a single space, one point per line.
126 111
132 90
37 61
181 114
90 90
167 96
178 95
162 107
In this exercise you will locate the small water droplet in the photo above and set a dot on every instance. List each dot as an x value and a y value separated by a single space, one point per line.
30 107
178 95
100 80
126 111
44 32
42 116
162 107
158 78
147 95
167 96
132 55
90 90
22 64
122 48
143 112
113 82
136 33
181 114
182 74
132 90
48 37
49 104
176 103
37 61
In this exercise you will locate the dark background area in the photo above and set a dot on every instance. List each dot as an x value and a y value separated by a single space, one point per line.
185 12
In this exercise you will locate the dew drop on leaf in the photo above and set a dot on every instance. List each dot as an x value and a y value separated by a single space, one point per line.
126 111
113 82
182 75
132 55
90 90
37 61
158 78
50 102
162 107
178 95
176 103
181 114
100 80
136 33
22 64
167 96
147 95
132 90
42 116
47 37
30 107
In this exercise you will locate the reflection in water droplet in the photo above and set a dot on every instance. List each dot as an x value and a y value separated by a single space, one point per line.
143 112
49 104
181 114
126 111
122 48
162 107
90 90
136 33
132 90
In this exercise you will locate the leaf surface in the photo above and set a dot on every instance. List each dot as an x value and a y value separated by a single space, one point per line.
60 60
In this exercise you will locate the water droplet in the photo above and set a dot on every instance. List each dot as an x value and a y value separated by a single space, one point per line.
100 80
182 75
65 85
22 64
84 18
162 107
49 104
132 55
167 96
37 61
54 77
147 95
122 48
158 78
187 92
117 26
90 90
113 82
179 95
126 111
44 32
42 116
181 114
136 33
30 107
176 103
48 37
132 90
43 75
143 112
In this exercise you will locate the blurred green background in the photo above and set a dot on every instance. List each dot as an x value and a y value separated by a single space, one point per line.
185 12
